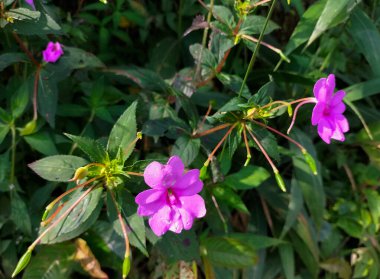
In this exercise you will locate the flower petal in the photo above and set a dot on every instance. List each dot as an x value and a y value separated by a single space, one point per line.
150 201
317 113
342 122
194 205
154 174
177 166
187 218
161 221
177 225
324 88
337 133
189 184
337 98
325 130
338 108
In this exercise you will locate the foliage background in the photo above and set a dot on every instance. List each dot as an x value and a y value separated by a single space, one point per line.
325 226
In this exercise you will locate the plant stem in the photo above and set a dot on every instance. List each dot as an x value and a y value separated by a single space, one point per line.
212 130
35 243
13 156
253 58
90 119
35 92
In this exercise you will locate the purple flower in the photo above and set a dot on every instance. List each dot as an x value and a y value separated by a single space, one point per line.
30 3
52 52
172 203
328 112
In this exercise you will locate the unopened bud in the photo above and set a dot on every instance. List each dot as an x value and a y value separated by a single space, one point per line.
203 172
311 162
126 266
22 263
80 173
29 128
280 181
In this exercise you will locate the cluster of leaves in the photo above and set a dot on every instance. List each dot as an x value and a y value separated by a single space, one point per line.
191 76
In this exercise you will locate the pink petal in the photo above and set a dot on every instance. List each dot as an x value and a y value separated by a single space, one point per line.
177 225
150 201
337 133
338 108
324 88
30 3
189 184
317 113
154 174
177 166
337 98
194 205
325 130
161 221
342 122
187 218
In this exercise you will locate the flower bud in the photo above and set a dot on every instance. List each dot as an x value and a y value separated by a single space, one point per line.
280 181
22 263
126 266
311 162
29 128
80 173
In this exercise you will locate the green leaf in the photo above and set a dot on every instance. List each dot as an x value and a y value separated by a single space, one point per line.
227 195
20 100
176 247
305 26
135 223
373 199
311 185
93 149
294 208
234 82
187 148
8 59
203 56
362 90
256 242
248 177
254 24
47 96
331 11
20 214
82 217
42 142
51 262
367 38
123 134
4 129
287 260
337 265
228 252
58 167
28 22
224 15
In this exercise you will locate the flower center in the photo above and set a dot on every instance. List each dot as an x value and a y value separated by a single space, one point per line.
172 199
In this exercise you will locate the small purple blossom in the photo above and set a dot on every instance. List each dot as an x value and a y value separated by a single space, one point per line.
31 3
52 52
328 112
173 202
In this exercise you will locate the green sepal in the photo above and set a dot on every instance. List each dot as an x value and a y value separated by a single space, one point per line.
280 181
126 266
203 172
311 162
29 128
22 263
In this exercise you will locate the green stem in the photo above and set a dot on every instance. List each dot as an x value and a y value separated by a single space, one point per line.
253 58
90 119
13 159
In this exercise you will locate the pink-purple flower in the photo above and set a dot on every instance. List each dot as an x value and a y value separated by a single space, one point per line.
52 52
328 112
173 202
30 3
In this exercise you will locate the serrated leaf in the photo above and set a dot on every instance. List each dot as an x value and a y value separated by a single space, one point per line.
123 133
247 178
228 252
58 167
187 148
51 262
254 24
20 214
93 149
82 217
42 142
